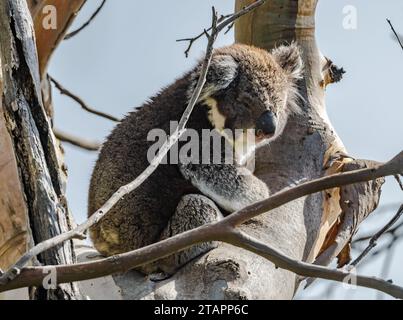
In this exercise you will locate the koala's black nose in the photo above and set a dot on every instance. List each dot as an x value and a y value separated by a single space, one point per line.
266 124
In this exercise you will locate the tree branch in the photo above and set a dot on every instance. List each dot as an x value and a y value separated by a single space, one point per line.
391 231
81 102
324 183
76 141
313 271
373 241
226 21
124 262
87 23
219 231
399 181
395 33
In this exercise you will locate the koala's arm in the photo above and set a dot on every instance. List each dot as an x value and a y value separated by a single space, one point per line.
231 187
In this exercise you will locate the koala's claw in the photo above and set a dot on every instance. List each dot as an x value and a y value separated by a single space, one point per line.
158 277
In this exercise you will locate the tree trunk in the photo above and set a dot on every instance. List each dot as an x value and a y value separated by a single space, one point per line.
309 149
32 185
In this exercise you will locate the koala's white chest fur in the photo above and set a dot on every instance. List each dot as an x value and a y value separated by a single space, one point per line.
244 143
216 119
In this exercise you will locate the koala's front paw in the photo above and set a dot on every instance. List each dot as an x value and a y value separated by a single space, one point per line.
249 191
259 189
187 170
231 187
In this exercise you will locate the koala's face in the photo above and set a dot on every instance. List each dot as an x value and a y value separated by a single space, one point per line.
251 91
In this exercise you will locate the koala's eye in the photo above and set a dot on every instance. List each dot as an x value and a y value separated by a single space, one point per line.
272 110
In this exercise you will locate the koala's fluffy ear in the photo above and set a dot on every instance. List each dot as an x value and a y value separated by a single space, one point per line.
289 58
223 70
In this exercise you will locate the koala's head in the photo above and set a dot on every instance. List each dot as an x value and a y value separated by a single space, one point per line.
251 88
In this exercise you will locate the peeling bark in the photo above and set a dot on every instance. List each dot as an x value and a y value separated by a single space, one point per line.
356 202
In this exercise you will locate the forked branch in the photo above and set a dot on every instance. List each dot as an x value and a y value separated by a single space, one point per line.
226 21
374 239
87 23
80 101
76 141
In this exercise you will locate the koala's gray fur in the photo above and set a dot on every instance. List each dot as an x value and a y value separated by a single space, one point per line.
242 82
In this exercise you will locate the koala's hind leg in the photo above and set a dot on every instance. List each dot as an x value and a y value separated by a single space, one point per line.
193 210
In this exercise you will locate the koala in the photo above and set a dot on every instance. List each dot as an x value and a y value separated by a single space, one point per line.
247 90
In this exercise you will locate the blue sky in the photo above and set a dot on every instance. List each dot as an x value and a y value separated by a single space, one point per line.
129 52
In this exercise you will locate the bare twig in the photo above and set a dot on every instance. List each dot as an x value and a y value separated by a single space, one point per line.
381 210
399 182
375 237
226 21
87 23
395 33
229 28
201 34
81 102
391 231
375 253
76 141
381 249
387 262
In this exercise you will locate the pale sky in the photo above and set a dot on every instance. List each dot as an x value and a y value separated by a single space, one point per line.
129 53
